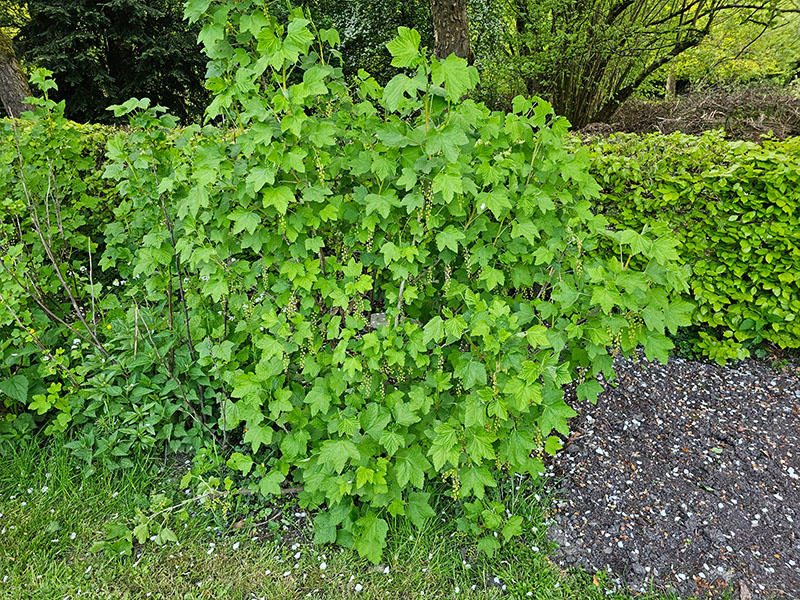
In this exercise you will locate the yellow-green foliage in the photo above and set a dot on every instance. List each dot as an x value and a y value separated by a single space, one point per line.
735 206
737 52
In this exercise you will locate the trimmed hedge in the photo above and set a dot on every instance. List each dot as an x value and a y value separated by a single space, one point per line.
735 206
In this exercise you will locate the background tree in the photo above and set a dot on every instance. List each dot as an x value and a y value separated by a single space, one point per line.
450 28
589 56
104 52
740 51
366 25
13 82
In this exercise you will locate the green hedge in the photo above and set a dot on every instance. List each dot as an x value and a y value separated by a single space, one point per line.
735 208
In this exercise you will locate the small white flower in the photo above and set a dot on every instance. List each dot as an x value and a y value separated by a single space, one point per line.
457 590
323 566
236 546
45 489
359 587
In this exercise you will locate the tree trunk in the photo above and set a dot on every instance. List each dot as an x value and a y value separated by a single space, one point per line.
13 85
450 29
670 91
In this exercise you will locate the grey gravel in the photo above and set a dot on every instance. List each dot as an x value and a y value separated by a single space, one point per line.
686 477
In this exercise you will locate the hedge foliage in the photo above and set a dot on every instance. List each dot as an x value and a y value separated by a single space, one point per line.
735 207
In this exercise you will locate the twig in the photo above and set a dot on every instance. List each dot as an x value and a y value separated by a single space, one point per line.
180 279
399 303
224 391
91 287
192 412
48 250
41 346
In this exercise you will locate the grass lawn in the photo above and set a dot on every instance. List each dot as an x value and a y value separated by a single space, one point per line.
51 514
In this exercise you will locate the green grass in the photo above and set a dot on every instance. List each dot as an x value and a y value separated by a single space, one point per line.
51 513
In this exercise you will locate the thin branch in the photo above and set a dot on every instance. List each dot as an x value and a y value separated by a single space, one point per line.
48 250
165 366
40 345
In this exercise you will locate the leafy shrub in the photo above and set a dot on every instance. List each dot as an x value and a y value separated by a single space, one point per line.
62 359
735 207
360 291
63 192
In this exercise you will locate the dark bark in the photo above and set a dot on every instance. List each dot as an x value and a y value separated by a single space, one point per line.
450 29
13 85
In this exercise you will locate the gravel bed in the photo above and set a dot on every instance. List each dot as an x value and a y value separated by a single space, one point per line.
686 477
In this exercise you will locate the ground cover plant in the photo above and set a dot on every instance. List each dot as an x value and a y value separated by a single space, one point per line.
734 208
348 294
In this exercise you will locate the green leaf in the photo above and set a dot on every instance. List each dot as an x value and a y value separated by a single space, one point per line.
537 336
335 453
603 297
475 480
678 314
371 538
418 509
240 462
319 399
324 529
589 390
493 277
663 250
512 528
391 253
471 372
449 238
380 203
15 387
391 441
449 184
489 545
270 484
140 532
408 179
474 412
657 346
257 436
279 197
456 75
244 220
555 413
552 445
479 445
404 48
396 89
411 466
433 331
496 201
445 447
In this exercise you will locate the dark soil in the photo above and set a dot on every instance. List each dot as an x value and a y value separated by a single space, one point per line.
745 114
686 477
